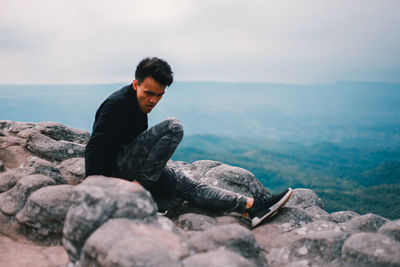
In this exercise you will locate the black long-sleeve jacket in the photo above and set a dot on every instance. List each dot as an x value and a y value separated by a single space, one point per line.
118 121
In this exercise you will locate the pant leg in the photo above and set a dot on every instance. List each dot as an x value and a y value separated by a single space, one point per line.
145 157
175 183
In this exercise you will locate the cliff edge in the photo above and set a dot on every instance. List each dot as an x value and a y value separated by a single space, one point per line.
48 208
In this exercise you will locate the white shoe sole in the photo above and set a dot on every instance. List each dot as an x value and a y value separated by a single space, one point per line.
273 209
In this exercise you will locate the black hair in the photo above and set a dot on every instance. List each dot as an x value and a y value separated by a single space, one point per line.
155 68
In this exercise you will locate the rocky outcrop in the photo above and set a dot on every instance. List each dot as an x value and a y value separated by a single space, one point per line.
44 199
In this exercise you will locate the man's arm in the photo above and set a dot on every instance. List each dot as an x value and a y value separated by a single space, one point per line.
102 148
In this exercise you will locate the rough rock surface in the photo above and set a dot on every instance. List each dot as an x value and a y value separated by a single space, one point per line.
45 201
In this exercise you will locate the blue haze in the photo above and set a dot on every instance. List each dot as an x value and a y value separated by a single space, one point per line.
350 114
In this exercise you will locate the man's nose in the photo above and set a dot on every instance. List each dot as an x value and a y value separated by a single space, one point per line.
153 100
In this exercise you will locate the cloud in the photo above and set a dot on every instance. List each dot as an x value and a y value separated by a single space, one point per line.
286 41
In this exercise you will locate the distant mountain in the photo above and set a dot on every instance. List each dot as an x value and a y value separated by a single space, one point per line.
350 114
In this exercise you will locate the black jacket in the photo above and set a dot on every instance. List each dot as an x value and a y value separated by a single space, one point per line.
118 121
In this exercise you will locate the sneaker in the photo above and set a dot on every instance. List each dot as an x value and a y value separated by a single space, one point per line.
265 207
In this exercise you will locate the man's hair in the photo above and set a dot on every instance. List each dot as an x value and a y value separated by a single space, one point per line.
155 68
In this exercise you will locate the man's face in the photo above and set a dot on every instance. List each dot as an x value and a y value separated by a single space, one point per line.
149 92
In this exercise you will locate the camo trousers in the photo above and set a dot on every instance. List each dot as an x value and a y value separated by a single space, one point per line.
146 159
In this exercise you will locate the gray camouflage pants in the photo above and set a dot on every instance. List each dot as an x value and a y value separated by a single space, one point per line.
146 159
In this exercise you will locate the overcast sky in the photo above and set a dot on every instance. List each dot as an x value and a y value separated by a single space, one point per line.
80 41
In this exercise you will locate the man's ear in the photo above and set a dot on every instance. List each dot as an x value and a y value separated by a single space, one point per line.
135 84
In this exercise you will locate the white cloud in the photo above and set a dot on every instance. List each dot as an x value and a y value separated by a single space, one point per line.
49 41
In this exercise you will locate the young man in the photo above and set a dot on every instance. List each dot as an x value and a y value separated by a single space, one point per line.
122 145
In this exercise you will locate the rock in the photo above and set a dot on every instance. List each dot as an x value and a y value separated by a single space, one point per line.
366 223
58 131
53 150
14 199
113 222
9 178
318 242
233 237
15 127
293 216
196 222
73 170
98 199
9 226
370 249
45 211
44 167
304 198
218 258
391 229
316 213
124 242
2 168
32 165
19 254
343 216
230 218
234 179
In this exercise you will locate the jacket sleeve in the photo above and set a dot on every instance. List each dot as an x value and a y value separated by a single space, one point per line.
102 148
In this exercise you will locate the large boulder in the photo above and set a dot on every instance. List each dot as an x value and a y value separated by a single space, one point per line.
73 170
14 199
53 150
370 249
98 199
233 237
58 131
125 242
44 213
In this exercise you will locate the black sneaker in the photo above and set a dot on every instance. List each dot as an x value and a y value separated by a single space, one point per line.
265 207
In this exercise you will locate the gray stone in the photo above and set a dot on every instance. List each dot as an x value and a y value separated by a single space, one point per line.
59 131
15 127
73 170
45 211
318 242
366 223
124 242
304 198
44 167
343 216
233 217
233 237
98 199
50 149
9 178
316 213
195 222
218 258
2 168
234 179
14 199
391 229
370 249
9 226
294 217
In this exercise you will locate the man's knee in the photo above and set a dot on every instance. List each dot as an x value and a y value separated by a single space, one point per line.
175 126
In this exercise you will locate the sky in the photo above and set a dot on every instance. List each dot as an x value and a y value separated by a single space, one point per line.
294 42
